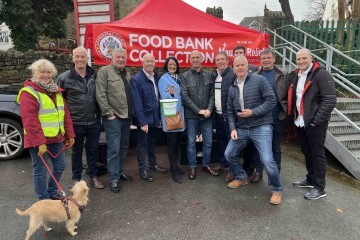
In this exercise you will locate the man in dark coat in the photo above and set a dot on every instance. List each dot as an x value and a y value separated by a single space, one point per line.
311 99
145 97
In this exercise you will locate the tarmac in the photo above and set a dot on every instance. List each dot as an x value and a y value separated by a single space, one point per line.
196 209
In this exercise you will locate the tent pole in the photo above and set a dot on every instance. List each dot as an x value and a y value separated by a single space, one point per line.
89 55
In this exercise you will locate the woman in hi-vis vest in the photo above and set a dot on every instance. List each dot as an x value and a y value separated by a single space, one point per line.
47 125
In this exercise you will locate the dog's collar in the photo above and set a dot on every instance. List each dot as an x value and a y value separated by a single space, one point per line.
65 203
78 205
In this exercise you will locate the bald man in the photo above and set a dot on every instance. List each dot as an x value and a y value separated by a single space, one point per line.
311 99
79 92
199 100
145 97
249 108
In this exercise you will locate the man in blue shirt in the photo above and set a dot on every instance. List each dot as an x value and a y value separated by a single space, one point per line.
279 83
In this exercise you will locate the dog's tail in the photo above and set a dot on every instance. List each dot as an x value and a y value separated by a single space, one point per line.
21 213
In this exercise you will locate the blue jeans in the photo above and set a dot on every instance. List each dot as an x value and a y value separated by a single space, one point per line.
45 189
278 132
205 126
145 145
117 140
261 136
222 138
92 134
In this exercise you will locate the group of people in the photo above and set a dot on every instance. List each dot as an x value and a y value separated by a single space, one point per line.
247 105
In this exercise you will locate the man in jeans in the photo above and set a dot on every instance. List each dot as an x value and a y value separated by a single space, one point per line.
223 79
279 83
198 98
114 98
79 92
146 102
249 113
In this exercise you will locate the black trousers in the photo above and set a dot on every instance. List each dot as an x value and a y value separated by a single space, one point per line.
312 140
173 141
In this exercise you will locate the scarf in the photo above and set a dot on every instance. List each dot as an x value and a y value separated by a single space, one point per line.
48 87
176 77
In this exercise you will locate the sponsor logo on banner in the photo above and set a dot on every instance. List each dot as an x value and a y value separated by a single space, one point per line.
106 43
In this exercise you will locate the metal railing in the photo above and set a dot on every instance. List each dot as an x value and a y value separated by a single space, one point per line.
287 51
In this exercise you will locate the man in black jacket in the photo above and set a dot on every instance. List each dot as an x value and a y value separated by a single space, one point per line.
223 79
311 99
198 98
79 92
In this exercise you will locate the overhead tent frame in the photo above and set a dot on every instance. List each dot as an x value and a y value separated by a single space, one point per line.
171 28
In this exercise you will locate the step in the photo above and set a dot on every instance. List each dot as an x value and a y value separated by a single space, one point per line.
352 144
345 137
348 104
342 128
353 115
356 153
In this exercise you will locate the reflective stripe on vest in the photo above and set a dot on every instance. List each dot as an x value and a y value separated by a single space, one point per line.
51 117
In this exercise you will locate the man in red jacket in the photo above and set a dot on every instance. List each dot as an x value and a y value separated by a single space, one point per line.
311 99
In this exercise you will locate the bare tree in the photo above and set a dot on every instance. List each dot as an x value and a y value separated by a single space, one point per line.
286 9
316 10
341 24
355 17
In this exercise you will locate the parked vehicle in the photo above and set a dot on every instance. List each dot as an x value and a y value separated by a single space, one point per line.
11 129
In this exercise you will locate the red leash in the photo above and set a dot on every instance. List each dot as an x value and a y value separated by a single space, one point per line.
64 198
50 172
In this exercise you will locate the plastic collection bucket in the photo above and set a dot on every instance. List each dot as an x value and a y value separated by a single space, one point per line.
168 107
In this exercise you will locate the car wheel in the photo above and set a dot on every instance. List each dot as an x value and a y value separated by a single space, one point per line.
11 139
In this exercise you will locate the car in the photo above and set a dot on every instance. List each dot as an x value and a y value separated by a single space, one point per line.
11 129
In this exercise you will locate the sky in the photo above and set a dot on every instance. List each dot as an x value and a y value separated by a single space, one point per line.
236 10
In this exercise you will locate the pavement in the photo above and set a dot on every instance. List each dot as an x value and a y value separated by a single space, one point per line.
196 209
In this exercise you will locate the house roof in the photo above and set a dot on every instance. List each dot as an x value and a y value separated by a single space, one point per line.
276 14
248 21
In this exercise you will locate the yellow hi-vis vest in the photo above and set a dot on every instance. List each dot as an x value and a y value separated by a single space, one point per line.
51 117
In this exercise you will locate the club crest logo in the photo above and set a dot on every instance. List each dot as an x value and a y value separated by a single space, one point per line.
106 43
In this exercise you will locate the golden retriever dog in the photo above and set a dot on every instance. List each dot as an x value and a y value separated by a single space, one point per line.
45 211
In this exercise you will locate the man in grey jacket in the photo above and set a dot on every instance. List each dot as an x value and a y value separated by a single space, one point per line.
114 98
249 115
79 92
198 98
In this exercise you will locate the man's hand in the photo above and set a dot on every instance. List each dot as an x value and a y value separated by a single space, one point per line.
207 113
233 135
42 149
245 113
69 143
145 128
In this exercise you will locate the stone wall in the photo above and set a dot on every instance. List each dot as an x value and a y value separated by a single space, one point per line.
14 64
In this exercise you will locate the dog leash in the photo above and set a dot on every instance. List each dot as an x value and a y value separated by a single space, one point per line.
50 172
63 198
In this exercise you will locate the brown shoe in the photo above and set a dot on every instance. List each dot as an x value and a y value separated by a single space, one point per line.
238 183
192 173
275 198
96 183
210 171
256 177
229 176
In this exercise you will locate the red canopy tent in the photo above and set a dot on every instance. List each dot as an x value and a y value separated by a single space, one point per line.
171 28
